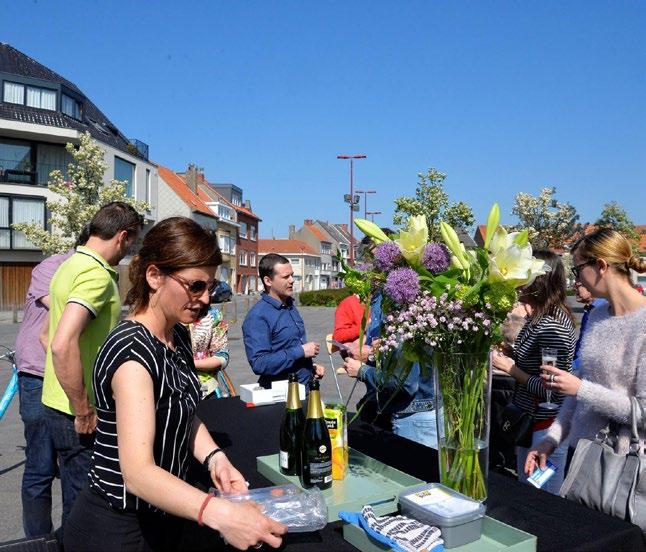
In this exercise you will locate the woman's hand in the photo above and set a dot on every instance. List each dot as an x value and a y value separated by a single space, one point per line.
560 381
351 366
537 457
242 524
225 477
501 361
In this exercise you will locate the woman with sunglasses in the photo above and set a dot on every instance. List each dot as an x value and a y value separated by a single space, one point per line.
146 394
613 350
550 324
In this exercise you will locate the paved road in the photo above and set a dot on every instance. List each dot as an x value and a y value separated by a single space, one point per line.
318 321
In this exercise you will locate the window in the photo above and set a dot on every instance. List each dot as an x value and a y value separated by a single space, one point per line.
252 259
14 210
252 284
252 232
295 261
326 247
243 230
49 158
226 244
225 212
32 96
15 161
236 200
70 107
243 258
124 170
147 190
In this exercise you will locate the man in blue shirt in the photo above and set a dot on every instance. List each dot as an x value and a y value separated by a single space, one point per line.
589 302
273 331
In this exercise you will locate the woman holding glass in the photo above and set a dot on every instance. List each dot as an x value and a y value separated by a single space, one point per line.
612 354
549 328
146 394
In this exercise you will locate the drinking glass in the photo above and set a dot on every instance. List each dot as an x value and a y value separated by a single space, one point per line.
549 357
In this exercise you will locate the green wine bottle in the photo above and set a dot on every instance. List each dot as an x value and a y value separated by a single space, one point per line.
291 430
316 451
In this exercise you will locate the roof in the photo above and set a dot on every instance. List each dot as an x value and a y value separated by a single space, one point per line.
238 208
334 232
285 246
178 185
314 230
14 62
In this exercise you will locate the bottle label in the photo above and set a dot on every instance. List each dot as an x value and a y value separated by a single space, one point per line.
320 472
284 459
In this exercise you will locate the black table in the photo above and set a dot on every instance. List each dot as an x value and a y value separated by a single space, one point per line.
246 433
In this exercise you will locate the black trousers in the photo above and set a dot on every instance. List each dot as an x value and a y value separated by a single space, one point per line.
95 526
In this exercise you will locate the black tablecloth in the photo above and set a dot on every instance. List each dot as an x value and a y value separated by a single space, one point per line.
246 433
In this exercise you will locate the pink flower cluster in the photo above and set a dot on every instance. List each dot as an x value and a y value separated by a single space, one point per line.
436 322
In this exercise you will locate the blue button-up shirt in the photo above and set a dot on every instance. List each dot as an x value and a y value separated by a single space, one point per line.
273 334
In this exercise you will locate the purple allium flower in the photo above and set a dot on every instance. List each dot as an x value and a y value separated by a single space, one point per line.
436 258
402 285
387 255
363 267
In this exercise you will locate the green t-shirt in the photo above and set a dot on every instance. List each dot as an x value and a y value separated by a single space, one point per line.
87 279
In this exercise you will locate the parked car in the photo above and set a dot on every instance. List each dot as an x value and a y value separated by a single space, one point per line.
222 293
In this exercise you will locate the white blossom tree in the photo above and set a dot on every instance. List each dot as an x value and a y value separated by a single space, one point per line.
550 223
82 194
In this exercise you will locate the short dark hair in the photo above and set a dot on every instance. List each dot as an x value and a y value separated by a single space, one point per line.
267 264
83 236
113 218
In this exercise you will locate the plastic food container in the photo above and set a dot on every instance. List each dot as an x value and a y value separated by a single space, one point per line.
457 516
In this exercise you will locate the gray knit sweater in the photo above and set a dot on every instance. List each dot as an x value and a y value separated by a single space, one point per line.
613 368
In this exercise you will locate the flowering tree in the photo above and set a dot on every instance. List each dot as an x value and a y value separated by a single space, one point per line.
432 202
614 216
549 222
83 193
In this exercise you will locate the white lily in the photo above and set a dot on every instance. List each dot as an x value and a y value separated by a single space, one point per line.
412 241
511 259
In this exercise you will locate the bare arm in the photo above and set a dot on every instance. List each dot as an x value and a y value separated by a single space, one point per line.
66 357
241 524
209 364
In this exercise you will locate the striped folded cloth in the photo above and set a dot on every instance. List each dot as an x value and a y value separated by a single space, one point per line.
399 532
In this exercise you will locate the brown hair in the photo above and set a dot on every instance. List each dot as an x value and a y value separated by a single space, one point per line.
171 245
113 218
612 247
547 294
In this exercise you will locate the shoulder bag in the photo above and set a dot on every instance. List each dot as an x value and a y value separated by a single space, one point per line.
516 426
612 483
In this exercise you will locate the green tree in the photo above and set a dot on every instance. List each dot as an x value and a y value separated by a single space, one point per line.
614 216
82 194
433 202
550 223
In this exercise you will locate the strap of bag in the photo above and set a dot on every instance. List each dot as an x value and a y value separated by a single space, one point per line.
637 420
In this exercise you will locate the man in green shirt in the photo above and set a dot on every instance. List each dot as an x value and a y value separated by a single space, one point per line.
84 307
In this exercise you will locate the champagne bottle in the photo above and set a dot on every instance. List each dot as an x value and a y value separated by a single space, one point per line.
291 430
316 456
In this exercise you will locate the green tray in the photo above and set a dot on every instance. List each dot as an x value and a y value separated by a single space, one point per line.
368 481
496 536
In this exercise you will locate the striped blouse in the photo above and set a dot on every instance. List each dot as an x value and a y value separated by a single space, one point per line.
555 331
176 394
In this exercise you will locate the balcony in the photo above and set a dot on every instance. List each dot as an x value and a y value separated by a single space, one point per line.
22 172
140 148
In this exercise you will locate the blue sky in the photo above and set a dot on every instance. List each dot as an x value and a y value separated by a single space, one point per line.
503 97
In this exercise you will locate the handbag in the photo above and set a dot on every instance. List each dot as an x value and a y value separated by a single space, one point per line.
612 483
516 426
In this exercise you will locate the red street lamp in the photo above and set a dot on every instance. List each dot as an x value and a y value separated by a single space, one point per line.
365 200
352 203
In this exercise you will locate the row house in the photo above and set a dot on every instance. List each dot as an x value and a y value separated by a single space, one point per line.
247 238
40 112
322 244
303 258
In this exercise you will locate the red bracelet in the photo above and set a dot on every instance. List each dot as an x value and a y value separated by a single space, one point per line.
208 497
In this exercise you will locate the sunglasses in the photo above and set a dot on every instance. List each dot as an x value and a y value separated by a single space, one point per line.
194 287
576 269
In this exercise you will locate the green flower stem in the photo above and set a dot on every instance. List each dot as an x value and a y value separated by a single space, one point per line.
462 379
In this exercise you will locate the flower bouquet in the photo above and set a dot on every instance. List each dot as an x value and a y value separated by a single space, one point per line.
442 307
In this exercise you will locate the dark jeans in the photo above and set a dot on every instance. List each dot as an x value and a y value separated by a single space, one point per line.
74 453
40 459
94 525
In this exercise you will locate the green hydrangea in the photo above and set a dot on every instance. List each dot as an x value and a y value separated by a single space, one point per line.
463 293
501 297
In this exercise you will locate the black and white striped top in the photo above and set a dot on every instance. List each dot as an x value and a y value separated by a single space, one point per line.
555 331
176 392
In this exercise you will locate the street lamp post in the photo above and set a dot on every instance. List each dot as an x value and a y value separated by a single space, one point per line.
351 158
372 214
365 200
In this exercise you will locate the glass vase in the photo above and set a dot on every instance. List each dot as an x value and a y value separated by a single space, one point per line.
463 401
